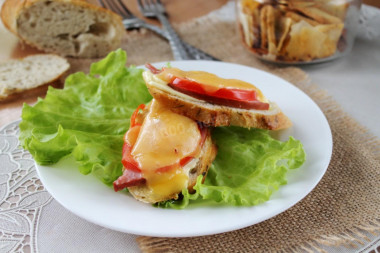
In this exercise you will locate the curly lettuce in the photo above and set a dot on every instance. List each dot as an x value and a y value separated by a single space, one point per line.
249 167
88 118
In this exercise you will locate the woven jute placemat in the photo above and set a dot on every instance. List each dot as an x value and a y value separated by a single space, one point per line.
341 210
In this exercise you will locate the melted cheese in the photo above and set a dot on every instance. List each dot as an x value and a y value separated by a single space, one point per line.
210 82
166 184
164 139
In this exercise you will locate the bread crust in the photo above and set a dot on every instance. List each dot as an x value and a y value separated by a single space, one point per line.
39 91
12 93
11 10
207 156
220 115
9 13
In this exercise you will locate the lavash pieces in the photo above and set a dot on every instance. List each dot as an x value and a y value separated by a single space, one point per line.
293 30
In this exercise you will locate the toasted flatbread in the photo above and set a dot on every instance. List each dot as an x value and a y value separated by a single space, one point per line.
270 25
317 14
308 42
297 18
263 27
283 26
250 19
335 8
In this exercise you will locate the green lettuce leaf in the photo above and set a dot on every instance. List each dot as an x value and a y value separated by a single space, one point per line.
86 119
249 167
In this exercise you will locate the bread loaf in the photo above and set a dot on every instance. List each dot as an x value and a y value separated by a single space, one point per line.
66 27
30 73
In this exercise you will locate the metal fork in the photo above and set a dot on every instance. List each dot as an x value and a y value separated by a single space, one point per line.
154 9
130 21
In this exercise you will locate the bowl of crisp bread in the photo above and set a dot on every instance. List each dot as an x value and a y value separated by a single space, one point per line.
298 31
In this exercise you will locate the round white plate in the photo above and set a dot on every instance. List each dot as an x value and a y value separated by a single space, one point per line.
90 199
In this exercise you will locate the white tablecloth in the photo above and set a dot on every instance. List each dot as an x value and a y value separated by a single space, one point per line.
353 81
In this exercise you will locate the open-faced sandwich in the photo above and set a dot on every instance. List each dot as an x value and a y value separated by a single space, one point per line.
168 146
163 153
212 100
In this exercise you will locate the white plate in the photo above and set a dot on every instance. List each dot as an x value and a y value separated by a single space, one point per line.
88 198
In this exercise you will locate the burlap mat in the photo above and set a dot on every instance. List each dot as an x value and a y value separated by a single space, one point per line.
339 211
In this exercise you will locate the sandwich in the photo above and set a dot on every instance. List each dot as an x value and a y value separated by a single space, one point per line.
168 144
212 100
163 153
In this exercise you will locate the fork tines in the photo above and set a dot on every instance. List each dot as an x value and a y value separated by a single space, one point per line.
116 6
150 8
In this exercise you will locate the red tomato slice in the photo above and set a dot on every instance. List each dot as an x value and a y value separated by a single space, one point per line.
227 93
185 160
152 68
181 163
225 96
166 168
134 115
127 160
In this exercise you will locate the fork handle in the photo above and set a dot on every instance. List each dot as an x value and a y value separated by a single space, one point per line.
196 53
175 42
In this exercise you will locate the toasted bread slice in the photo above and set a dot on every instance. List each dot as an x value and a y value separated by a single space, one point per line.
212 114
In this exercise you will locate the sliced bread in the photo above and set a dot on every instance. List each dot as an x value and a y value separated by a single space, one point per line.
66 27
29 73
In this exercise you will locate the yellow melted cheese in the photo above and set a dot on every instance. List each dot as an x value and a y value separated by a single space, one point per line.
164 139
210 82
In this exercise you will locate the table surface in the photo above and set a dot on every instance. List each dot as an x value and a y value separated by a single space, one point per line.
353 81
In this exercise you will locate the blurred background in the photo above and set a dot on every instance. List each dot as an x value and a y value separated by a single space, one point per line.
185 10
